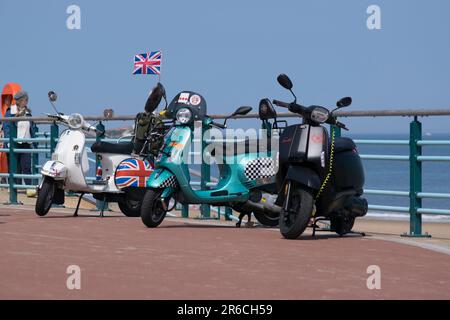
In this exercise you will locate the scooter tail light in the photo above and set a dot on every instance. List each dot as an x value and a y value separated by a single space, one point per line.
99 173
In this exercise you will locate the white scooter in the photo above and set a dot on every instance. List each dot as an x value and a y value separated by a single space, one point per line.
69 166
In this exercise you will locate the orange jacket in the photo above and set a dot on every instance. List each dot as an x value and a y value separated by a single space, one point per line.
9 89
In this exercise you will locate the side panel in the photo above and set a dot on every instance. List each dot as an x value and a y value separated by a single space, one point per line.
130 172
349 171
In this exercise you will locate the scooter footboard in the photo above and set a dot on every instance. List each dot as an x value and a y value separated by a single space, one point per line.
162 179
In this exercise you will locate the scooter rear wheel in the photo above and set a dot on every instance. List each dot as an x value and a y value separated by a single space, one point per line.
130 208
152 211
342 225
294 221
266 220
45 197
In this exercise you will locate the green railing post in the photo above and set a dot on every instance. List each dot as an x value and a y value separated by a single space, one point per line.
12 165
99 137
205 174
228 213
337 131
185 210
54 134
415 180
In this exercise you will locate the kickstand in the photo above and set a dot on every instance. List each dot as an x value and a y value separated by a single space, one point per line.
78 205
362 234
103 208
315 226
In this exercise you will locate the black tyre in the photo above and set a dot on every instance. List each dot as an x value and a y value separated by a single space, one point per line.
130 208
152 211
266 220
341 224
294 221
45 197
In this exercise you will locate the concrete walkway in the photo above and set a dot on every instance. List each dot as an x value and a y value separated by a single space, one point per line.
193 259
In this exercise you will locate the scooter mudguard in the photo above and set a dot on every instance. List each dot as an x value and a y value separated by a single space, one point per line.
161 178
304 176
54 169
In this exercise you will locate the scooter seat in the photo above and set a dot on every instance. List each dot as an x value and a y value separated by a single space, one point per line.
236 147
344 144
116 148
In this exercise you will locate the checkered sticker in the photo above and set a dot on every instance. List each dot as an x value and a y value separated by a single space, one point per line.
169 182
260 168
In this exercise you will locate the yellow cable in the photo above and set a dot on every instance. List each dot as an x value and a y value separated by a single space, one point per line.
331 167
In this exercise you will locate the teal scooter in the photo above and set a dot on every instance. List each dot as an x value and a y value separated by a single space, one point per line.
247 172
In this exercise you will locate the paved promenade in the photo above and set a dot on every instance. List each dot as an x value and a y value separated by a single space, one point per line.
120 258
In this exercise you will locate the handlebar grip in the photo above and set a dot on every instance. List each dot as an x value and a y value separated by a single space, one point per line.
281 103
341 125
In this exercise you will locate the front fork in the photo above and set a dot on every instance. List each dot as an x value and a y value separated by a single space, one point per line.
287 192
165 197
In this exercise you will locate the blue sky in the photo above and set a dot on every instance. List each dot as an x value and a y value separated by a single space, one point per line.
231 52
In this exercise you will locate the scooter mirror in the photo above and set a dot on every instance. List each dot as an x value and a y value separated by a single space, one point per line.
155 97
241 111
344 102
108 113
284 81
52 96
266 110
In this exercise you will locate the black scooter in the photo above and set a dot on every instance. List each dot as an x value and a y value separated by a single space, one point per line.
319 176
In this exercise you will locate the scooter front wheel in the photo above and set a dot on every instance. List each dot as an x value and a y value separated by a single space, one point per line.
45 197
294 221
152 209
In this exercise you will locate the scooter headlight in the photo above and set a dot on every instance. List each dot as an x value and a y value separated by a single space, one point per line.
184 116
320 114
75 121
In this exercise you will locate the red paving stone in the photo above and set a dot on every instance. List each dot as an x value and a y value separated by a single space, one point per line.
121 259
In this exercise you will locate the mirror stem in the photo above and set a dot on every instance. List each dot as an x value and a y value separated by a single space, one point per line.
295 97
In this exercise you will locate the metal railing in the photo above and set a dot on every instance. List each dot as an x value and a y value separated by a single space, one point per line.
47 143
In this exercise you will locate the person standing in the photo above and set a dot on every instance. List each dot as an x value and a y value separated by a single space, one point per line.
23 132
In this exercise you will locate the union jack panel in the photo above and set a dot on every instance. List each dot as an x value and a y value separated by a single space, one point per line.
133 173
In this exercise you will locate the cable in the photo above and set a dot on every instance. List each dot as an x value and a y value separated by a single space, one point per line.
327 178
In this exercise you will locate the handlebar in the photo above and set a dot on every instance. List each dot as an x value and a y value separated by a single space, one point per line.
219 125
281 103
304 112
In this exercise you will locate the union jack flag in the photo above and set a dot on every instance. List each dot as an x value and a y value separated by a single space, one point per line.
133 173
147 63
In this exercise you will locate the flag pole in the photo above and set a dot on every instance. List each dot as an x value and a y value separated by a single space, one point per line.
160 66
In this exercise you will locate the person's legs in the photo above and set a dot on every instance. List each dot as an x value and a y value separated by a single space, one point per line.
25 163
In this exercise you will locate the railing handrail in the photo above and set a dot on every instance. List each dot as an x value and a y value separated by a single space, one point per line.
357 113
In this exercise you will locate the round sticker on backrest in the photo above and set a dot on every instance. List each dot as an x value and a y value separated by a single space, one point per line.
195 100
